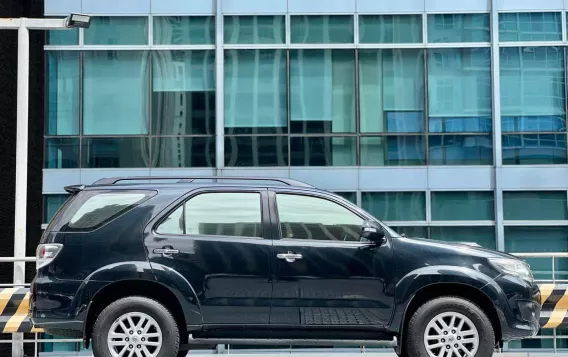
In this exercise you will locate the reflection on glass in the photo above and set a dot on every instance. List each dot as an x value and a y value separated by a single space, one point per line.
183 92
349 196
115 92
390 28
256 151
458 28
61 153
62 93
254 29
391 86
321 29
51 204
322 91
117 30
412 231
535 205
463 206
62 38
183 151
184 30
530 26
534 149
459 90
395 206
556 123
323 151
461 149
255 92
484 236
115 152
393 151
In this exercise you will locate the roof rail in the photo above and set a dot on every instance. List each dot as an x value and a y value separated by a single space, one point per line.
114 180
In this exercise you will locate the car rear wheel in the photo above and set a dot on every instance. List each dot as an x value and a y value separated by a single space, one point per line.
449 327
135 327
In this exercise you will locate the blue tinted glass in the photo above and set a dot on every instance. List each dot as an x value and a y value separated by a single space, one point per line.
323 151
62 93
62 37
255 91
254 29
322 91
183 151
349 196
61 153
459 90
256 151
530 26
184 30
117 30
461 149
393 150
115 92
535 205
463 206
458 28
484 236
390 29
533 123
529 149
51 204
115 152
395 206
412 231
391 90
322 29
192 83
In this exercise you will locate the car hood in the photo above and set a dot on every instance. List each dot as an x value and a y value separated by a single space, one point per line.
463 247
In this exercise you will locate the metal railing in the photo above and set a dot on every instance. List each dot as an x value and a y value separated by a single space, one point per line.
554 258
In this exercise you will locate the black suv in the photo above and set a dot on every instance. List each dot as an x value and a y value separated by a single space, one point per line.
156 266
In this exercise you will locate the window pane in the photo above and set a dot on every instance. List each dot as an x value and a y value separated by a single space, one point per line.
115 152
534 123
390 29
51 204
62 93
349 196
256 151
61 153
484 236
395 206
62 37
183 151
255 92
254 29
322 85
393 151
535 205
459 90
226 214
115 92
461 149
173 224
535 26
184 30
462 206
322 29
458 28
412 231
303 217
534 149
117 30
391 85
323 151
183 92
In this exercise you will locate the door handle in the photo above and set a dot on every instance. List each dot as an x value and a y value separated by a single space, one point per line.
289 257
166 252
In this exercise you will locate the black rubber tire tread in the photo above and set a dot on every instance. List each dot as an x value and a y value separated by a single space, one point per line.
416 326
164 318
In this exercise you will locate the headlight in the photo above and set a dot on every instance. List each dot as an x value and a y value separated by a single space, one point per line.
514 267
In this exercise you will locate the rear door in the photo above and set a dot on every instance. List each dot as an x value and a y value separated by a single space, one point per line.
217 240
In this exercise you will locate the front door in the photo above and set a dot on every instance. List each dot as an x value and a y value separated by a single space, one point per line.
218 242
326 274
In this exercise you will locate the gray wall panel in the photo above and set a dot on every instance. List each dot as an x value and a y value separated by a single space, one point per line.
507 5
460 178
54 180
254 6
61 7
381 7
92 7
393 179
182 7
457 6
321 6
336 179
530 178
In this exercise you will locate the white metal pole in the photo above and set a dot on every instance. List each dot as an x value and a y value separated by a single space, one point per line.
21 167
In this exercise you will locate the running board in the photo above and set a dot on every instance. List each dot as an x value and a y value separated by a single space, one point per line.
288 342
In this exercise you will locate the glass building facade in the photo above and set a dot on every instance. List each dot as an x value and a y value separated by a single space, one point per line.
445 119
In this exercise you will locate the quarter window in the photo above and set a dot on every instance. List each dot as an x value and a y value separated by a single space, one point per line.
304 217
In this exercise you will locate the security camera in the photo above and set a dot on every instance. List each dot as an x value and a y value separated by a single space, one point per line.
78 20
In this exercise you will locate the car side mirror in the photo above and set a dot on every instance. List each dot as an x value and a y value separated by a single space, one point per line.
373 231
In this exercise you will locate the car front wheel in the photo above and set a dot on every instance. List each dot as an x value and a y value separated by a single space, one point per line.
450 327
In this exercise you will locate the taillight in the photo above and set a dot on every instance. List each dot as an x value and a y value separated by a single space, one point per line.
45 254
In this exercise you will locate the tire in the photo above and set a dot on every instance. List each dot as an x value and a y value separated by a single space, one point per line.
131 310
475 322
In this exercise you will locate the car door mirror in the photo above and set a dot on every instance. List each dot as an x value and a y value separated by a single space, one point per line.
373 231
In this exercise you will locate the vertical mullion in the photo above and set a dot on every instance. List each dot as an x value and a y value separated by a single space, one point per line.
81 104
357 109
219 90
565 89
289 106
425 132
150 108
